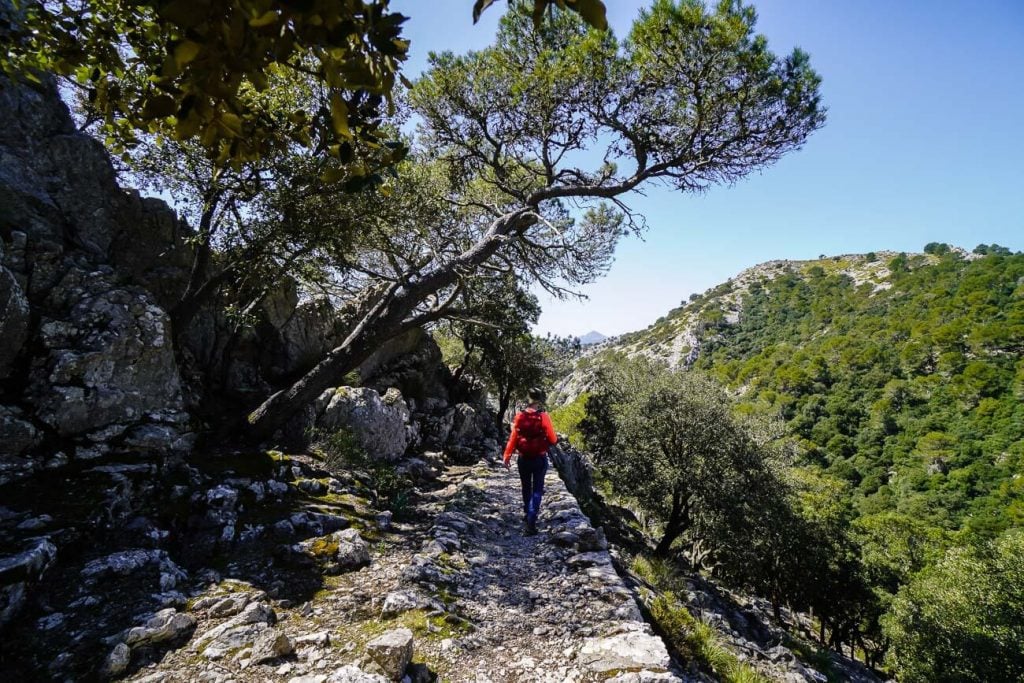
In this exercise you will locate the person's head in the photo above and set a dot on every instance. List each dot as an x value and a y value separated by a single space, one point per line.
537 395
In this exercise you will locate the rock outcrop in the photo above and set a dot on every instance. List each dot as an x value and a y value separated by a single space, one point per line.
381 424
86 359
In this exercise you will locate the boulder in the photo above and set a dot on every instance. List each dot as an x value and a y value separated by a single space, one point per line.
339 552
399 602
234 638
634 650
411 363
271 644
392 652
19 571
167 625
575 469
128 562
381 425
346 674
117 661
467 426
310 331
152 247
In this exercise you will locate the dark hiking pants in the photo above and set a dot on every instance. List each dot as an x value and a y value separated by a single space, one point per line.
531 474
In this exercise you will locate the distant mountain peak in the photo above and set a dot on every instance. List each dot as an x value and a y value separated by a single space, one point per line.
592 337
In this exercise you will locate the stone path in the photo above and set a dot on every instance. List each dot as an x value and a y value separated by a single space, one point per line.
482 602
543 608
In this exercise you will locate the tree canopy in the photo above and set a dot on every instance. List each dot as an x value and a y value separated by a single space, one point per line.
692 98
202 70
960 619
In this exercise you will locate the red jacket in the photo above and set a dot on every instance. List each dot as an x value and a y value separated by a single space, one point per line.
545 420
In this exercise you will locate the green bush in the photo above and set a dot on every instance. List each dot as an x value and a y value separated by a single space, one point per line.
341 451
567 418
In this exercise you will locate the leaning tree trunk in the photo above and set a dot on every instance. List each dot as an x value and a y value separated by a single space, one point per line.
678 521
372 331
504 398
384 321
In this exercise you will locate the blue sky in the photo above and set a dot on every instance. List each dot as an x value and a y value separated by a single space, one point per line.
924 142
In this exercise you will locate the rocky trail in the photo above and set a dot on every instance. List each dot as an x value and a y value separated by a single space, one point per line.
466 596
458 588
288 572
548 607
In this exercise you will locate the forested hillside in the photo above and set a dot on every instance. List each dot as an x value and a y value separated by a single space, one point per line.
900 375
898 379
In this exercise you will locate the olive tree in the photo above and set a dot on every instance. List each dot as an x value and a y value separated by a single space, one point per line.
545 135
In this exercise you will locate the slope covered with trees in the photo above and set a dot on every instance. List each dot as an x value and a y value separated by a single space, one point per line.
898 380
908 389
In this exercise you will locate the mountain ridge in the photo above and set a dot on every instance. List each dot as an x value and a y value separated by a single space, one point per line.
673 338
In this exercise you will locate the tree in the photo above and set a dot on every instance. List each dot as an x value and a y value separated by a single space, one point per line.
497 345
250 227
674 446
591 11
961 619
692 99
190 68
201 61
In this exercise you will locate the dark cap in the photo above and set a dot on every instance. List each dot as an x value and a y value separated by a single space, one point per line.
537 394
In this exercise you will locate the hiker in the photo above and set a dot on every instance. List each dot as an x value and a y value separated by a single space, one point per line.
532 435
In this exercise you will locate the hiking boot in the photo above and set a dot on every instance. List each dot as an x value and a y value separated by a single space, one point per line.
531 529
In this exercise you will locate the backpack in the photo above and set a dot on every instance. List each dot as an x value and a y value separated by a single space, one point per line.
532 438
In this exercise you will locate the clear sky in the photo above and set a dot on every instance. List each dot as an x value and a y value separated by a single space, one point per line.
924 142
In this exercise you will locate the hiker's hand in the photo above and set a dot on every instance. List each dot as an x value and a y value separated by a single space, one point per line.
508 464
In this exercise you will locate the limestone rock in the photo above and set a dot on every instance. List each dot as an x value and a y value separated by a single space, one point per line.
405 601
271 644
21 570
380 424
468 426
575 469
625 651
117 661
164 626
338 552
392 652
309 332
349 674
109 361
233 638
128 562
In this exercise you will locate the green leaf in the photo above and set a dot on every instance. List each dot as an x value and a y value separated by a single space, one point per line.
339 116
186 51
231 123
266 19
332 175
